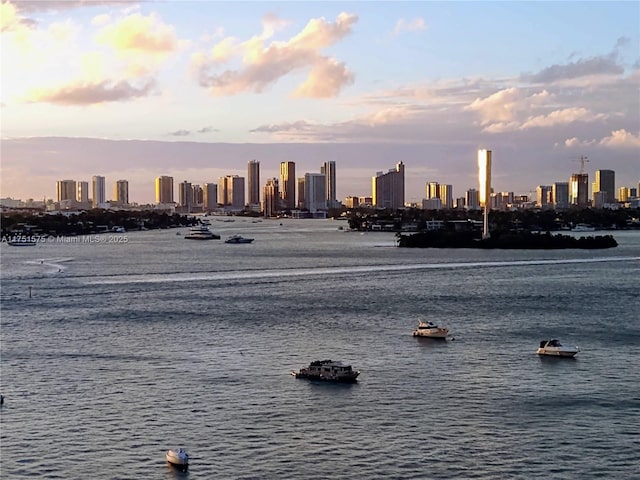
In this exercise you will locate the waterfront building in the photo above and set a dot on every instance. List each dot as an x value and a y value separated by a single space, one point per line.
271 198
560 195
164 190
387 189
433 203
253 182
365 201
579 190
606 183
121 192
197 198
315 192
231 192
210 197
600 200
185 196
287 185
329 171
99 193
301 193
484 181
66 190
82 195
460 203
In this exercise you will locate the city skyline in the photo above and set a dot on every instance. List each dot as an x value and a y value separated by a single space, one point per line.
139 90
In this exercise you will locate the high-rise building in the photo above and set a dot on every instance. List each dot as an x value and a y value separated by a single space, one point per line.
387 189
329 171
66 190
301 194
351 202
82 196
121 192
164 189
579 190
287 185
271 198
185 196
432 190
210 197
472 199
231 192
606 183
197 197
253 182
315 192
544 197
446 195
560 195
99 193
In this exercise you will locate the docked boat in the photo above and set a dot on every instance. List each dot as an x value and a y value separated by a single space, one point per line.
583 227
238 239
178 458
328 370
556 349
431 330
201 232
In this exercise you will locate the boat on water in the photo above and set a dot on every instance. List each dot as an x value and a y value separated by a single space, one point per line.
178 458
238 239
201 232
430 330
583 227
329 371
556 349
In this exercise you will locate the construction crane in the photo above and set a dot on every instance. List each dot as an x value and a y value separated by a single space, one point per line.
583 159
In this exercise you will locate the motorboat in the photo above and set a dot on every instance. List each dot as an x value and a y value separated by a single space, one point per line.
430 330
556 349
238 239
201 232
178 458
329 371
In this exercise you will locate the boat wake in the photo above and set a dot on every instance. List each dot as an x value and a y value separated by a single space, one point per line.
52 265
342 270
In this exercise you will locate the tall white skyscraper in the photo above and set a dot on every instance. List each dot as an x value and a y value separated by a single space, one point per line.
253 182
484 178
83 193
315 191
98 190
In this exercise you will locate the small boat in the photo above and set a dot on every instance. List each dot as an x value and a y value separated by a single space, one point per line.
431 330
329 371
201 232
556 349
238 239
583 227
178 458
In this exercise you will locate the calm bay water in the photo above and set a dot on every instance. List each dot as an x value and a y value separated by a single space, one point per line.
127 349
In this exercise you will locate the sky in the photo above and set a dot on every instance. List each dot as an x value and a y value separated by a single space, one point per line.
134 90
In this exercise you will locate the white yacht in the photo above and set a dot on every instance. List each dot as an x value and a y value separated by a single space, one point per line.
179 458
431 330
556 349
201 232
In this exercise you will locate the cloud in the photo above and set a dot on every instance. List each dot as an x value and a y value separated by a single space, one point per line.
413 25
262 66
180 133
207 130
622 139
599 65
57 5
91 93
139 33
299 125
562 117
